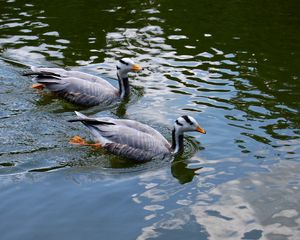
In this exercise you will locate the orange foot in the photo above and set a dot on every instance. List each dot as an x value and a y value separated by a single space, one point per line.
77 140
38 86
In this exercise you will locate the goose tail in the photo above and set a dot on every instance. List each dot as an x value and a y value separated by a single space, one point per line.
92 124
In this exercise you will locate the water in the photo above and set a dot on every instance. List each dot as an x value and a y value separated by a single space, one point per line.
232 65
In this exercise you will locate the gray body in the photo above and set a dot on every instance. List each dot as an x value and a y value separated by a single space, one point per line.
77 87
127 138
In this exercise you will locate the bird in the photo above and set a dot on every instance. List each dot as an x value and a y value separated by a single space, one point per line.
82 88
134 140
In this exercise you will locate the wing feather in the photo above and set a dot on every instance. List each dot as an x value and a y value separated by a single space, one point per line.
134 154
140 127
131 137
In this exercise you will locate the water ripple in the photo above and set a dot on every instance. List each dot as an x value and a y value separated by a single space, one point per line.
237 77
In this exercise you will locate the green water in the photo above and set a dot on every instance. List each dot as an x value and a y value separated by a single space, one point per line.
233 65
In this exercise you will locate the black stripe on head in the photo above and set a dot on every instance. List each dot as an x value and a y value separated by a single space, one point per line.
178 123
187 119
118 68
123 62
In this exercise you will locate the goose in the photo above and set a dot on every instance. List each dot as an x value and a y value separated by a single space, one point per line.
134 140
85 89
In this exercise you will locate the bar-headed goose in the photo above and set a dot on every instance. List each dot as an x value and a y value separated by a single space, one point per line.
82 88
134 140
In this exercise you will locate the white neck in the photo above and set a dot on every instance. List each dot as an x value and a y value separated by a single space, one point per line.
122 74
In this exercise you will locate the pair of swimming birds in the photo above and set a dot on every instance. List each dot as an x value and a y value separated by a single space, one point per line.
127 138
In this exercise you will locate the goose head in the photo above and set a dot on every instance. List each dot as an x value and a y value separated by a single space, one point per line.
184 124
126 65
187 124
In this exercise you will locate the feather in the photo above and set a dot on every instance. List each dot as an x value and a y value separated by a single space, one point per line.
131 153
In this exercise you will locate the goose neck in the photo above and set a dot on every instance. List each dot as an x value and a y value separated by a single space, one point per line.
177 141
124 89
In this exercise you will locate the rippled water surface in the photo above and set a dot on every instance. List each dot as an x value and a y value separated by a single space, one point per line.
233 65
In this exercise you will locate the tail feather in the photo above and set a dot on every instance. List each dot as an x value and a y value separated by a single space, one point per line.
48 80
47 72
32 71
91 124
89 121
80 115
29 73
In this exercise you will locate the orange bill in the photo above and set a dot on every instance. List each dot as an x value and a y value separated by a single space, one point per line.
136 67
201 130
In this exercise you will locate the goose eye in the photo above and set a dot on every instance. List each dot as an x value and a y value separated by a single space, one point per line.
178 123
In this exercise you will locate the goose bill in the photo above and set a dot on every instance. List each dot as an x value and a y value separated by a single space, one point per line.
136 67
201 130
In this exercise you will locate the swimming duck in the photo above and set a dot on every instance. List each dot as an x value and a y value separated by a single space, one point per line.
134 140
82 88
